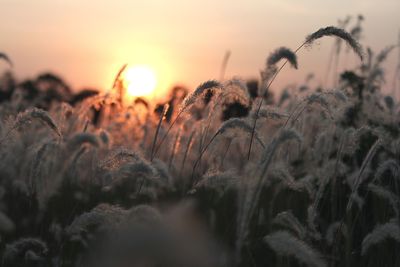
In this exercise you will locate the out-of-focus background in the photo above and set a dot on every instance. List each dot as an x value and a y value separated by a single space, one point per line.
86 42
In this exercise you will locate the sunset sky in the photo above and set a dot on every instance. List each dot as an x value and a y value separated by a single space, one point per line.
184 41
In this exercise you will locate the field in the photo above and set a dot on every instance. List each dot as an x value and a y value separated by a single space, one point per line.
227 175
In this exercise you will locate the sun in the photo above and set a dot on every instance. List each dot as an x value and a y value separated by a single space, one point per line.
140 81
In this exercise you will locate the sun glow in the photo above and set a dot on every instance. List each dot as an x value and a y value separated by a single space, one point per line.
140 81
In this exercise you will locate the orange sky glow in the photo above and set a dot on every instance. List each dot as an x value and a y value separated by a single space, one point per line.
183 42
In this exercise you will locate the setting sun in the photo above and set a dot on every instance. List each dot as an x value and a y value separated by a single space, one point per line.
140 81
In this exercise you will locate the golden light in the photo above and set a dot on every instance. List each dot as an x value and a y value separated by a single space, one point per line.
140 81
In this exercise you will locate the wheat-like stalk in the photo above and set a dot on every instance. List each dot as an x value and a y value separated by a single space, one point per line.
389 230
175 148
328 31
253 190
286 244
82 138
332 232
360 176
282 53
219 182
287 220
162 117
233 123
224 65
118 84
337 32
270 113
6 58
187 149
27 116
387 166
192 97
320 98
33 250
232 88
276 56
238 124
359 179
119 156
187 102
386 194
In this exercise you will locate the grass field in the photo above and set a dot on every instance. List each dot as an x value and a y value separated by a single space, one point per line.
227 175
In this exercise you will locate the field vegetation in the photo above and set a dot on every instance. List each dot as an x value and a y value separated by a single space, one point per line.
230 174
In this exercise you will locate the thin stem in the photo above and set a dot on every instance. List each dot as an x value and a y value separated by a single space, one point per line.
299 114
171 158
117 83
291 114
266 93
226 152
189 144
224 64
162 115
167 132
253 130
219 99
355 188
201 154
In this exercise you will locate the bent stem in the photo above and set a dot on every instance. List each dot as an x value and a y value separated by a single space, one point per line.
261 101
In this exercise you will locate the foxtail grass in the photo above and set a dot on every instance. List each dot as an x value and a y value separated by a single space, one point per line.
162 117
6 58
187 102
310 39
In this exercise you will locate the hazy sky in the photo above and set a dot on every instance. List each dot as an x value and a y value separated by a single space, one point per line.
183 40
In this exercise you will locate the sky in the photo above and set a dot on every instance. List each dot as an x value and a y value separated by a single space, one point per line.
184 41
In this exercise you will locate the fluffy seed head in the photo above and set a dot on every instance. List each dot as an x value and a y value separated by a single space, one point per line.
38 114
6 58
191 98
282 53
270 113
289 221
237 123
286 244
340 33
83 138
118 157
285 135
382 232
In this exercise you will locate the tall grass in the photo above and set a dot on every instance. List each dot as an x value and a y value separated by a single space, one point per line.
312 180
